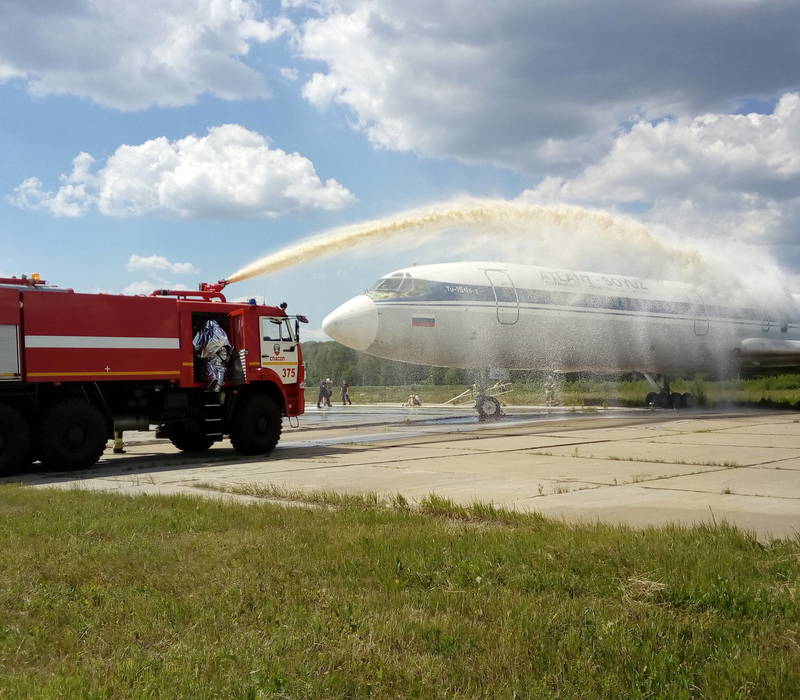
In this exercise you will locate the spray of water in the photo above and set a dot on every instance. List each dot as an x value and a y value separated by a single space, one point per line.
547 235
483 215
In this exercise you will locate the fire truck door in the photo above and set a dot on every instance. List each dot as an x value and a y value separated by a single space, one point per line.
9 336
279 348
237 336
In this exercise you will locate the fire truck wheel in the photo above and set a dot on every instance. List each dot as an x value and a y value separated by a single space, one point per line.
257 426
191 442
15 441
72 435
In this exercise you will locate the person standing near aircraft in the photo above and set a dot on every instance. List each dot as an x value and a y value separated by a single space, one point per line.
550 391
346 393
324 397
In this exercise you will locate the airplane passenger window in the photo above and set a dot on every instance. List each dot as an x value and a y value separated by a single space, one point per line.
538 297
505 294
616 303
414 288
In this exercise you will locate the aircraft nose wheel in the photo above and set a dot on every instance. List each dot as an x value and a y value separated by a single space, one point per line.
488 408
664 399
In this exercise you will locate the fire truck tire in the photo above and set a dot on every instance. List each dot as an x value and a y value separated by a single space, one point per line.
257 426
72 435
191 442
15 441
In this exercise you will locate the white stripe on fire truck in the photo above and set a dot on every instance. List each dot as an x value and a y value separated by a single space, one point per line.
86 342
103 373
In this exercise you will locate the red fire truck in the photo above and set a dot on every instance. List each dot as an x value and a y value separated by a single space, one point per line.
75 368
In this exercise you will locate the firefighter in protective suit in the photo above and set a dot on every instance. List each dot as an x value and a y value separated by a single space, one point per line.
211 344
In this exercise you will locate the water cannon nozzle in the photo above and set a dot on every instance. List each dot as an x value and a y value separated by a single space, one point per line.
213 287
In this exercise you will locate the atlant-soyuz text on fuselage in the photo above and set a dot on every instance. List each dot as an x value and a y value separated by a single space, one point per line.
75 368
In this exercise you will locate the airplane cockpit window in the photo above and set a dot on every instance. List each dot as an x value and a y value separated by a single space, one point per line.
389 284
398 285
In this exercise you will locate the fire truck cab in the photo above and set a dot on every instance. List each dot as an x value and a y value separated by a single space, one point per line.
76 368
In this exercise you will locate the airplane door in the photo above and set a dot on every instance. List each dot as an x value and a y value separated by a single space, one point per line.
698 311
505 296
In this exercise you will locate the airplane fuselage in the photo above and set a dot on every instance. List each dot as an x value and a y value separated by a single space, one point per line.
488 314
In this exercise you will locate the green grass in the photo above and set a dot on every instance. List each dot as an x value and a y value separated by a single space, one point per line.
109 596
779 391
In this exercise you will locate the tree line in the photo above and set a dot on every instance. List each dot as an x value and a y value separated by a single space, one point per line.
329 359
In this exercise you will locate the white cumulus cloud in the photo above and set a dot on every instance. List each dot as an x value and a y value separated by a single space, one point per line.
229 173
133 55
540 84
143 287
731 176
159 262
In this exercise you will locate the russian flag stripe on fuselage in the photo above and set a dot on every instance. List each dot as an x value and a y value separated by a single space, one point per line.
426 321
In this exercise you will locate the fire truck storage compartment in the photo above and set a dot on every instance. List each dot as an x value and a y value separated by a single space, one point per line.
96 337
9 335
9 353
199 319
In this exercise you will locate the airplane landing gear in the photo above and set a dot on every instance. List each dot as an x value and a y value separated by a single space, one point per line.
664 398
487 406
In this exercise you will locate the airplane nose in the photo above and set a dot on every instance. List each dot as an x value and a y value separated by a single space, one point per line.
354 323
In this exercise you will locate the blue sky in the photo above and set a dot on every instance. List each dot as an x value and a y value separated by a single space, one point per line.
682 115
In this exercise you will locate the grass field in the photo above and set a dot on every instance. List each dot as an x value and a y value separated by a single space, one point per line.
109 596
781 391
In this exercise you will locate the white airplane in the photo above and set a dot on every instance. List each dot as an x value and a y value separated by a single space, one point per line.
483 315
